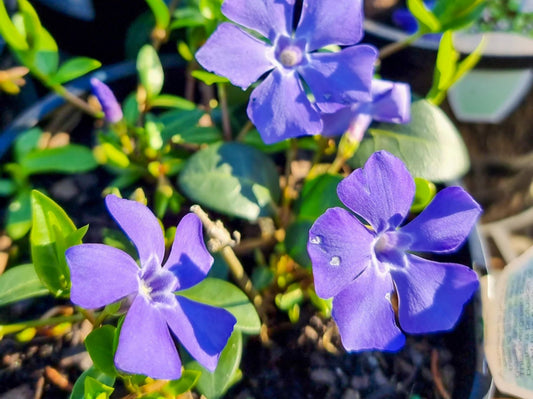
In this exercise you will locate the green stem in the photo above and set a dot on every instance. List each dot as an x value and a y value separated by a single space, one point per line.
392 48
244 131
226 124
13 328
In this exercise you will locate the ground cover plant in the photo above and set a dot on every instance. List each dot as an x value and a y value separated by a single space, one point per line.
286 178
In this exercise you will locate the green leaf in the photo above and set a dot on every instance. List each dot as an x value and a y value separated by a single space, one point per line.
443 75
225 295
18 220
7 187
208 78
187 17
188 380
99 344
82 391
161 13
296 241
185 51
170 101
150 70
72 158
74 68
20 282
430 145
246 180
457 14
318 195
26 142
426 19
9 32
47 55
425 191
214 385
52 230
179 120
94 389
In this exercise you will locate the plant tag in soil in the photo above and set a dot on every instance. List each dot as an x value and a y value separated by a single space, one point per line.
508 314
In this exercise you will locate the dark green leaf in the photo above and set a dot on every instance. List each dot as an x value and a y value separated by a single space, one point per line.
20 282
79 389
150 70
225 295
7 187
208 78
26 142
99 344
245 180
18 220
296 241
317 195
74 68
214 385
51 230
430 145
72 158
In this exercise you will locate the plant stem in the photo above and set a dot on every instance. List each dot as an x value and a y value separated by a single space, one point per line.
76 101
220 240
226 124
244 131
392 48
13 328
287 190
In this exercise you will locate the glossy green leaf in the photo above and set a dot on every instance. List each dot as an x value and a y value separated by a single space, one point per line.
425 191
445 67
430 144
426 19
18 220
9 32
457 14
214 385
72 158
26 142
317 195
150 70
208 78
99 344
296 239
245 180
161 13
225 295
82 391
18 283
171 101
47 56
187 381
52 233
74 68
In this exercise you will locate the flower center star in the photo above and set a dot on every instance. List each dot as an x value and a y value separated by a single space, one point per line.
158 286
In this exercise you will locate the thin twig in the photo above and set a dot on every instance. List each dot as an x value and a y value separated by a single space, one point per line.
226 123
392 48
436 375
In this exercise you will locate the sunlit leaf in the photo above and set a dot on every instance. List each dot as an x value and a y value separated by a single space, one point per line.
20 282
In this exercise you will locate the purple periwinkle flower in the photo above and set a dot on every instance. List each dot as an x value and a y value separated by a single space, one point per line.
362 266
279 106
391 102
102 275
108 101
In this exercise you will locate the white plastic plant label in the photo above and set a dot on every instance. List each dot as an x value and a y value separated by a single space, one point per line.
508 315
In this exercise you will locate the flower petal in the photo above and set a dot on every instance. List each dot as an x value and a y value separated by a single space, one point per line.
340 78
364 314
381 192
145 345
108 101
141 226
391 101
202 329
445 223
268 17
189 259
325 22
340 249
279 108
100 275
353 119
431 295
234 54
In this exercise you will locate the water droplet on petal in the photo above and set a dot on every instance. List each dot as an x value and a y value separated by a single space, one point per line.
316 240
335 261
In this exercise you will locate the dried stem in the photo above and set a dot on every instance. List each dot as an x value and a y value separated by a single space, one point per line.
221 241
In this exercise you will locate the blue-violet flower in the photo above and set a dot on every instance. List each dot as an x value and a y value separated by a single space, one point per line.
102 275
279 106
391 102
362 267
108 101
